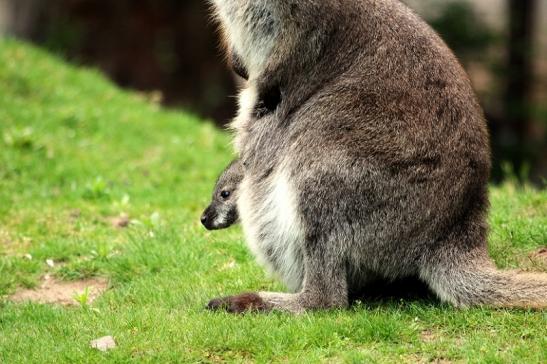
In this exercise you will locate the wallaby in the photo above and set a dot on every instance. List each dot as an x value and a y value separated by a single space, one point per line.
222 212
365 154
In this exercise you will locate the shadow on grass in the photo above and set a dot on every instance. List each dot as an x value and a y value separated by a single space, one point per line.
381 292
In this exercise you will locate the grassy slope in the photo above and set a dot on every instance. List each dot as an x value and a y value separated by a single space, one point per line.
75 151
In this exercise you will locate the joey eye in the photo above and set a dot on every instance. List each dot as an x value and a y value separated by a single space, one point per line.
225 194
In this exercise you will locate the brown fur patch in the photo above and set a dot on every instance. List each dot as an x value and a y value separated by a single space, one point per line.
238 304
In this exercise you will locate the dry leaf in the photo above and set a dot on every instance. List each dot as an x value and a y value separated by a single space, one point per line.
104 343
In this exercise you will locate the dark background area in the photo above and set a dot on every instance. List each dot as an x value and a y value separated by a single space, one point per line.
169 49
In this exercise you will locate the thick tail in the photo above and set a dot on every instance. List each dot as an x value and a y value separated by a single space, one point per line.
477 282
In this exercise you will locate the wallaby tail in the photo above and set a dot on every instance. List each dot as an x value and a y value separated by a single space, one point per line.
477 282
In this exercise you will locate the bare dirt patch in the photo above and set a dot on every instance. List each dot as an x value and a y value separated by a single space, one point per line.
539 255
428 336
120 222
10 246
53 291
417 359
535 261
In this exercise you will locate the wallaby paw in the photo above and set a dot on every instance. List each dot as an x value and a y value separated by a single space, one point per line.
246 302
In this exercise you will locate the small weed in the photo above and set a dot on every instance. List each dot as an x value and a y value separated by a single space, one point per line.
97 189
82 298
23 139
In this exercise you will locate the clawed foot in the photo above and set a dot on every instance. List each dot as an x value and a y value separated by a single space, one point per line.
246 302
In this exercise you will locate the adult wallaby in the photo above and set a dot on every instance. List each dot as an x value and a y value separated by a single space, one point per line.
222 211
365 153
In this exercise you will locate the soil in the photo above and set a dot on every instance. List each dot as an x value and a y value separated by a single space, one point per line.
53 291
540 255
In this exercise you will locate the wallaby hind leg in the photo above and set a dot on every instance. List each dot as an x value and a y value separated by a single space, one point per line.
325 287
471 279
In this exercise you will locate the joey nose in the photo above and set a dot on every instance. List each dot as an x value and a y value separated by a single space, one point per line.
208 217
204 220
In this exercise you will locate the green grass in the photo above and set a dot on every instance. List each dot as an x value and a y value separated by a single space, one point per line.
75 152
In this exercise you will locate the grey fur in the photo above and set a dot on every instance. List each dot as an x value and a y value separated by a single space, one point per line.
222 211
366 155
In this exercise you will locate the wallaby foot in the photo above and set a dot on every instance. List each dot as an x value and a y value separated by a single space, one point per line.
267 301
245 302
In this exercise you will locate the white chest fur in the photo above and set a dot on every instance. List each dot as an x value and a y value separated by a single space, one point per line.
273 227
247 101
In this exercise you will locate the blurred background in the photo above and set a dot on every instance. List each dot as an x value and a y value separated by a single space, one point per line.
169 50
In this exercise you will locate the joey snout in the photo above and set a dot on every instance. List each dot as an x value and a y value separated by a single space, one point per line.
218 216
208 217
